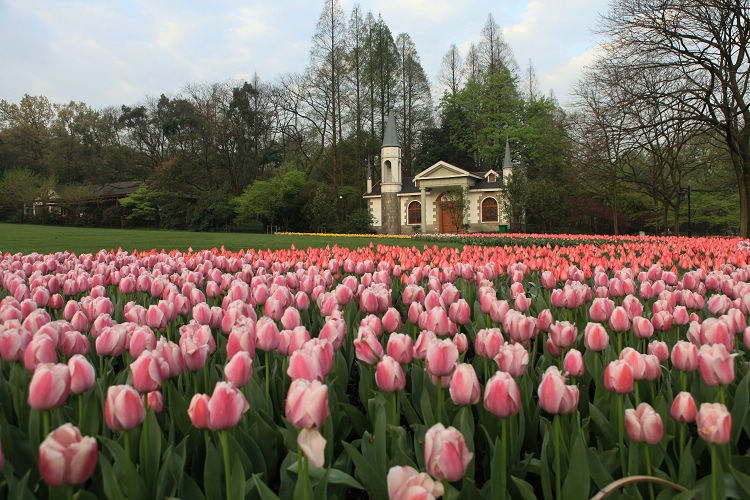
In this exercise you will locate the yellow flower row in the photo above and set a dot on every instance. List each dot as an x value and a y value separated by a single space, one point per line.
350 235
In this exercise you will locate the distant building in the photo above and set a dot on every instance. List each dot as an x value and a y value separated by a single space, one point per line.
404 205
86 199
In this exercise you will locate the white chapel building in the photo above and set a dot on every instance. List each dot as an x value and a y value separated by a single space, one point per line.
406 205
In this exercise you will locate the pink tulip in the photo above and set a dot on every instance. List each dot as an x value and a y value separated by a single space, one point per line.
714 423
226 406
405 483
644 424
291 318
147 372
291 340
334 331
241 338
198 411
636 362
618 320
112 341
400 347
312 444
562 334
601 309
306 404
554 395
544 320
304 364
66 457
41 349
573 363
82 374
501 395
155 318
266 334
424 340
618 377
437 321
459 312
123 409
141 339
683 408
685 356
389 375
512 358
49 386
441 358
595 337
659 349
488 341
392 320
445 453
367 348
653 367
464 385
642 327
716 364
155 401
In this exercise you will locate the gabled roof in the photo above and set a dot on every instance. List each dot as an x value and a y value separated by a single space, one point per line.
443 170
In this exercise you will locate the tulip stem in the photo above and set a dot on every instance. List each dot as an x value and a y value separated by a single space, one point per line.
558 473
307 479
80 411
395 408
504 459
439 416
648 470
45 423
620 436
268 382
683 379
225 451
721 394
69 492
126 436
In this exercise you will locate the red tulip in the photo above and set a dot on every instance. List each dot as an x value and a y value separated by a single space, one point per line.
66 457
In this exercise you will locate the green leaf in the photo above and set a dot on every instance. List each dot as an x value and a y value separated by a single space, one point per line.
687 473
150 451
577 482
374 482
335 476
237 481
739 410
321 489
189 488
498 470
525 490
606 428
212 472
743 481
263 489
110 481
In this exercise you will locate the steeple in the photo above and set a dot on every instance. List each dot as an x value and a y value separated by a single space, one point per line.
507 163
390 136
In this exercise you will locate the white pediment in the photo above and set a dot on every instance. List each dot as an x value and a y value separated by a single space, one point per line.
443 170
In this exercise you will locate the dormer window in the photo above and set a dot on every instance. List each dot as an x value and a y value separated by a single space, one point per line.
491 178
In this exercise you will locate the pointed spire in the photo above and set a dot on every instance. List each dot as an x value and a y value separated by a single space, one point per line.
507 163
390 136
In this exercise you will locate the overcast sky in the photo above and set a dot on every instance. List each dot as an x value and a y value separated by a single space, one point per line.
108 53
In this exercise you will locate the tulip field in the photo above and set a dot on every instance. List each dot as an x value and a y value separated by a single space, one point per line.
559 367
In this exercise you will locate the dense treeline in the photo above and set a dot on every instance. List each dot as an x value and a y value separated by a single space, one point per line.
295 153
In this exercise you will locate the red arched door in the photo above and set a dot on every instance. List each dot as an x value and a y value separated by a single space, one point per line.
445 218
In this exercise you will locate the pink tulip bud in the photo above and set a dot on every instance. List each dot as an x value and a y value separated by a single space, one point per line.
13 343
683 408
405 483
636 362
601 309
123 409
66 457
112 341
563 334
291 318
716 364
198 411
714 423
659 349
49 386
400 347
554 395
644 424
226 406
307 404
146 372
389 375
685 356
459 312
438 322
445 453
487 342
544 320
41 349
141 339
266 334
512 358
501 395
82 374
367 348
441 358
548 280
155 401
573 363
464 385
618 377
595 337
461 341
653 367
618 320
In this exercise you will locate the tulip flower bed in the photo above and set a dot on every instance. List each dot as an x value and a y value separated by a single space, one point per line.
380 372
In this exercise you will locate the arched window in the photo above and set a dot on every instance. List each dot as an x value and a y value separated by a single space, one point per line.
414 213
489 210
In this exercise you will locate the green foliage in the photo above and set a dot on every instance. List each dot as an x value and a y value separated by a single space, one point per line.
141 206
274 201
19 189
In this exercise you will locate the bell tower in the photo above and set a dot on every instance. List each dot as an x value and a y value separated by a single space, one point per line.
390 178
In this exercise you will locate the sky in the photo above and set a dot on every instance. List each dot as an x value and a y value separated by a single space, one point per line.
120 52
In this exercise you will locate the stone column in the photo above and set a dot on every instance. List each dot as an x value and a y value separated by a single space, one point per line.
391 217
467 208
423 205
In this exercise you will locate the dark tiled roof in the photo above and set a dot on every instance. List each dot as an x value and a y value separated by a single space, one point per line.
407 186
102 190
484 184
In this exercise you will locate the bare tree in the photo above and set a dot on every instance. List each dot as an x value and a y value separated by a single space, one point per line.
708 43
450 69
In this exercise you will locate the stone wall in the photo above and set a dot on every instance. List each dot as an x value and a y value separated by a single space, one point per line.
391 219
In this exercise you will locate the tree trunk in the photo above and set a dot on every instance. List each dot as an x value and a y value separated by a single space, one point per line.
665 218
677 217
615 227
743 181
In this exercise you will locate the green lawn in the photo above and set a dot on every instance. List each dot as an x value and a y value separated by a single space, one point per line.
29 238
